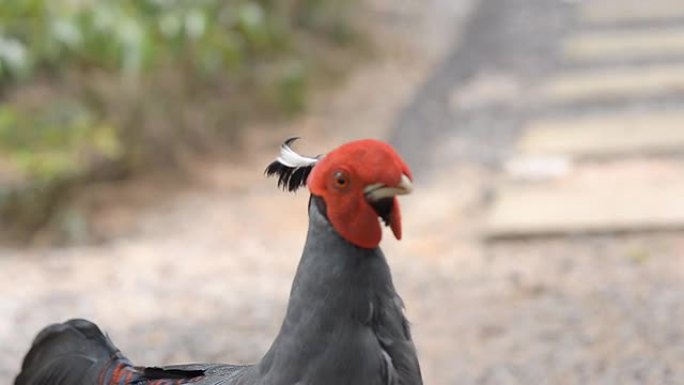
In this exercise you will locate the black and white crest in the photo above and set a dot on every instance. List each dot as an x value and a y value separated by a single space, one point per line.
291 168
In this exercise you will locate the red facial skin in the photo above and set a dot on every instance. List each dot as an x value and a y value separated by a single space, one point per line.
360 163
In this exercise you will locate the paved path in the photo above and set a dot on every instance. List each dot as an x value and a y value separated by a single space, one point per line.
630 70
564 119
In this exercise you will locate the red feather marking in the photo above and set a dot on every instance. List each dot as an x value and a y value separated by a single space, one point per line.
122 374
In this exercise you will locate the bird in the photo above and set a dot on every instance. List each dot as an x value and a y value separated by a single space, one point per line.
344 324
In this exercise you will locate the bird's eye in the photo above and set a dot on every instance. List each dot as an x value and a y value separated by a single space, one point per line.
340 180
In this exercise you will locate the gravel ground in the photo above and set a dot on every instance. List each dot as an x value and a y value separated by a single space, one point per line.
200 270
203 274
207 275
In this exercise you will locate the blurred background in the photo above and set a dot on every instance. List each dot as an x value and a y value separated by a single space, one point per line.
543 243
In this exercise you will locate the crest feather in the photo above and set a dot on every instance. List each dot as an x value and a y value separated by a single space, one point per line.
291 168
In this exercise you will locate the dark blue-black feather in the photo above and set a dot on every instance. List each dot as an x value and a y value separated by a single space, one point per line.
290 178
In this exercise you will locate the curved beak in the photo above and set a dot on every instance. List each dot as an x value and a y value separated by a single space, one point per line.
383 199
378 191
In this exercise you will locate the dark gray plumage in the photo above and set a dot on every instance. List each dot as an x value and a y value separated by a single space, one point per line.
344 326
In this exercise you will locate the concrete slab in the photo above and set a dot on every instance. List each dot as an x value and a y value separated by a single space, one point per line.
612 11
606 135
612 83
602 205
593 46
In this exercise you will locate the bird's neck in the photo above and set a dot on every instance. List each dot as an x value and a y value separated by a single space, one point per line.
335 293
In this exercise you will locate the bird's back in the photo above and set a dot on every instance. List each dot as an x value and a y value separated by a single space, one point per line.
76 352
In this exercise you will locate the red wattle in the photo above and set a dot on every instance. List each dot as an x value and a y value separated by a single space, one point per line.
395 219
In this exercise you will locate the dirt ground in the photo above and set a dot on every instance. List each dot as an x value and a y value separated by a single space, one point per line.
199 270
203 273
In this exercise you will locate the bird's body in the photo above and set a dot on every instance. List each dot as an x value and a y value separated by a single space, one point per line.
344 325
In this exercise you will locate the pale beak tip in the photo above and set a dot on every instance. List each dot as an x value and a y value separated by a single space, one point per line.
406 185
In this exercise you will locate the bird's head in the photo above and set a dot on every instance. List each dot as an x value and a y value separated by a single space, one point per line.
358 182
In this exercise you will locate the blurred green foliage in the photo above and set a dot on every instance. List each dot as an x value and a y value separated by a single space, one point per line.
133 36
86 83
60 141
